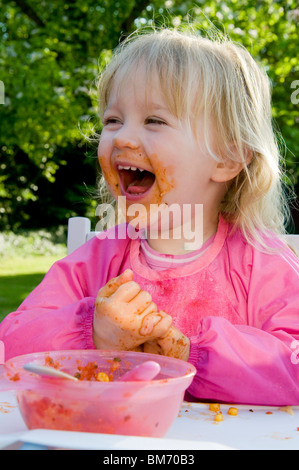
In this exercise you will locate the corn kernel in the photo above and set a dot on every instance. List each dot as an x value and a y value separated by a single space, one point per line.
214 407
102 377
233 411
218 417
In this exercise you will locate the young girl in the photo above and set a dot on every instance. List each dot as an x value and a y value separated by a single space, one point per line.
186 124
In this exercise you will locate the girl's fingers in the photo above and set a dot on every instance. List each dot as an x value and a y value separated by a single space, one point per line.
111 287
127 292
152 347
175 344
151 308
155 325
147 325
140 302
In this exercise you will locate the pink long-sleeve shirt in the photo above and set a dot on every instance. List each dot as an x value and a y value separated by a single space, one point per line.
238 305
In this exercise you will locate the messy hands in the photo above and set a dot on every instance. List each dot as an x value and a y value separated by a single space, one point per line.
173 344
125 316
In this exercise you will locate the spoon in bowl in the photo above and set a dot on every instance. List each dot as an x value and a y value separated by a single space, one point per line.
48 371
143 372
147 370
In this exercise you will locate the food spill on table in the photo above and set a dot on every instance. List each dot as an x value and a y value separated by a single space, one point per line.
6 407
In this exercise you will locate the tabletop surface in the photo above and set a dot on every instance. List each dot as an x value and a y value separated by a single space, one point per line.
194 428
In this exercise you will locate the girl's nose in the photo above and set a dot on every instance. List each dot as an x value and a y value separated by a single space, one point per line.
126 138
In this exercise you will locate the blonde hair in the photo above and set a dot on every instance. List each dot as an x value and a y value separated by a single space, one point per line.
218 79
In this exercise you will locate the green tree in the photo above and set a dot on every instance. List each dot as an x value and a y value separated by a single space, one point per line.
50 56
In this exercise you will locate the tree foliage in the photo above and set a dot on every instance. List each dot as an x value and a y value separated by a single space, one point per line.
50 56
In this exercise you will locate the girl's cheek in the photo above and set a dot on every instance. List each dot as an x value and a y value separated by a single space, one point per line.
155 204
110 176
164 175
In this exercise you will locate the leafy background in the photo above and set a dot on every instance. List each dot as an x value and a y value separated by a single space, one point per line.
50 55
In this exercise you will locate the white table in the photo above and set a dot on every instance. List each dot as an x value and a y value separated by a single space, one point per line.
194 428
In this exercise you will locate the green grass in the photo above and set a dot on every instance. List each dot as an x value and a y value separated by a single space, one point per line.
18 277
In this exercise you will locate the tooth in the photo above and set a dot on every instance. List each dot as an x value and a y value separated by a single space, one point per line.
134 168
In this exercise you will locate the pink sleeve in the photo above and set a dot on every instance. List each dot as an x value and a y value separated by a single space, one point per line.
254 363
58 314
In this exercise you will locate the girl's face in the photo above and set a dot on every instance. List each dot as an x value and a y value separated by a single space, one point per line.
150 156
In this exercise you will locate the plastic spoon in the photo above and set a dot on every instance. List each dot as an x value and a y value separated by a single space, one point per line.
145 371
48 371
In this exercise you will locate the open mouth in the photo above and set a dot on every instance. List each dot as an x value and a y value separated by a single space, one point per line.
135 181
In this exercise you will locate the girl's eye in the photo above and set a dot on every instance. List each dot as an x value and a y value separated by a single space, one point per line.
154 120
111 120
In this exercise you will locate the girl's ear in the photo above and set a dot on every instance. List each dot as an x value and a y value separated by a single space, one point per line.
226 171
229 168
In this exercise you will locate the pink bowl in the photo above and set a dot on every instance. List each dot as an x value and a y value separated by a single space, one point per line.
145 408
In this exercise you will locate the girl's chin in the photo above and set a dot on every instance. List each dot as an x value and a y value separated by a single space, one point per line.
151 220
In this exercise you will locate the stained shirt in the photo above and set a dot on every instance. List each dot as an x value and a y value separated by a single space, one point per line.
238 305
